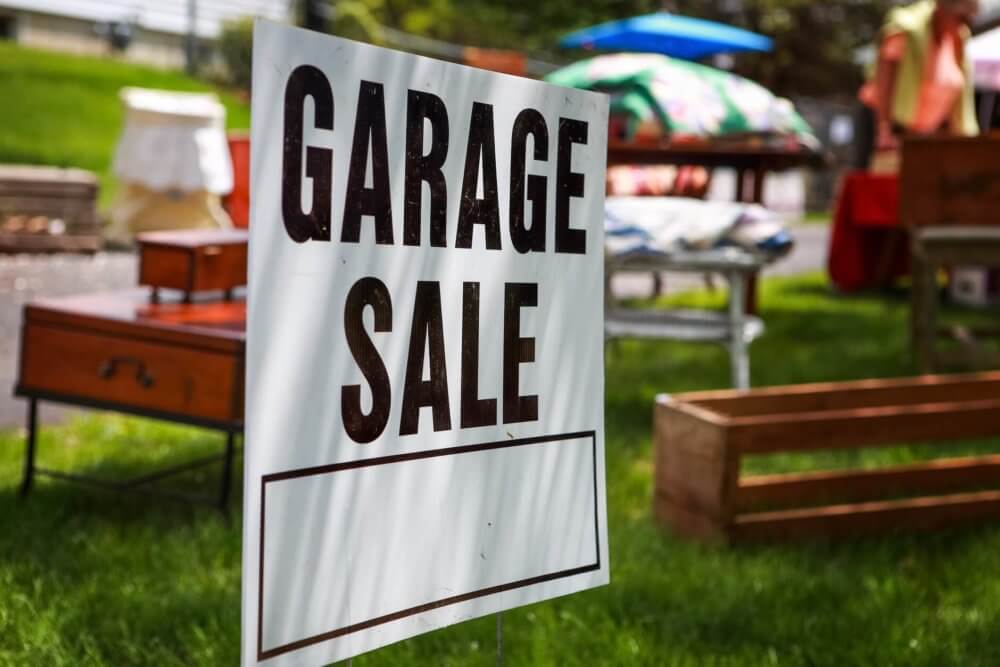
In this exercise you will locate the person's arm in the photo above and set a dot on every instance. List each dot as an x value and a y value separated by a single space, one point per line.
887 69
885 86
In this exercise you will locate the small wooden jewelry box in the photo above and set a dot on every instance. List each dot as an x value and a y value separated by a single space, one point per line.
193 260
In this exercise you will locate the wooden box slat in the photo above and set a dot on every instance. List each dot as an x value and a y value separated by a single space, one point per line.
849 520
813 488
861 427
846 395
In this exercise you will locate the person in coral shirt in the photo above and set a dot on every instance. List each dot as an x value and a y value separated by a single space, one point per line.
921 83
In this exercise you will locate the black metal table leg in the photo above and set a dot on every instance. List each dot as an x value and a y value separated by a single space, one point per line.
29 450
138 484
227 472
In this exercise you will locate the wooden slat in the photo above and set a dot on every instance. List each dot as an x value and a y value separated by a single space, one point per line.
668 402
839 385
867 518
846 395
887 425
803 489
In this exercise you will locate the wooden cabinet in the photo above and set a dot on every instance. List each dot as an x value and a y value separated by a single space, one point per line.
173 360
176 359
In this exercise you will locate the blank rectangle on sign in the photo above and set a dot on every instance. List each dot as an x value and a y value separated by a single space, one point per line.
426 531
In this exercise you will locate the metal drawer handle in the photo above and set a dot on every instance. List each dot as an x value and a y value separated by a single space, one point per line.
108 369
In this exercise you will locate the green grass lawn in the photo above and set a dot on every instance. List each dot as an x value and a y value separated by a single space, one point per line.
64 110
88 578
816 218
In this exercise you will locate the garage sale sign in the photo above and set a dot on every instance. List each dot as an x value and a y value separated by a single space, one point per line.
424 412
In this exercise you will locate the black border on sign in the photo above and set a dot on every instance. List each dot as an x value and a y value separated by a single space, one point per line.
385 460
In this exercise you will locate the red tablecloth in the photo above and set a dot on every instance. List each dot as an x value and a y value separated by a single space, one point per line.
867 246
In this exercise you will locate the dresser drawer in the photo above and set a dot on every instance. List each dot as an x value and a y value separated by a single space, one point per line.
137 375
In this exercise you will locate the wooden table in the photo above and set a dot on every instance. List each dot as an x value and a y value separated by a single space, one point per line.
752 163
733 328
180 362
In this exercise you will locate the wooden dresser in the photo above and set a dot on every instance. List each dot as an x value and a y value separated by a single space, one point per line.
171 360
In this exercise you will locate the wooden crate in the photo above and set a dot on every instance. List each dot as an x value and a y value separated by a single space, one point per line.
48 209
700 438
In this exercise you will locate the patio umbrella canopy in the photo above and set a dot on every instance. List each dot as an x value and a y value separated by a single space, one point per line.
655 96
669 34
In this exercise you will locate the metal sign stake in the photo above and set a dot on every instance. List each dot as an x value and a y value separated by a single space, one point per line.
499 639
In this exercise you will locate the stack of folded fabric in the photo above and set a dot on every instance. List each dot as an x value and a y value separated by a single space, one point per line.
664 225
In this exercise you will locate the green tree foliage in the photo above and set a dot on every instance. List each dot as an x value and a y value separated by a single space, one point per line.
236 48
529 25
815 42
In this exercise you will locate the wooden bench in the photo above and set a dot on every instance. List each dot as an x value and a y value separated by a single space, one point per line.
700 439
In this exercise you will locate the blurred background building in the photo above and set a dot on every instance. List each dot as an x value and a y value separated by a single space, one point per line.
157 32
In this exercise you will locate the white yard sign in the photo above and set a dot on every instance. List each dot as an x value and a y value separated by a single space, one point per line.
425 398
